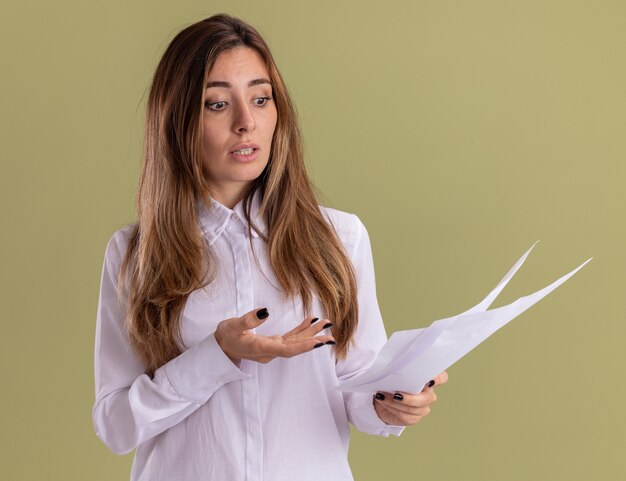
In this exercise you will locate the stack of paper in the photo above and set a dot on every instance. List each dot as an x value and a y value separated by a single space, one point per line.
411 358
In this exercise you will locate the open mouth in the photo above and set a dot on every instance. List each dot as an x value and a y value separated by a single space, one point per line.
247 151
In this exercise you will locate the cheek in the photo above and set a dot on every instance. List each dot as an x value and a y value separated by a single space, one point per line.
272 125
208 137
211 140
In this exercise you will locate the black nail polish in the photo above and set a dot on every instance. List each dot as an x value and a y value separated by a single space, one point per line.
262 313
327 325
315 320
331 342
318 345
398 397
380 396
431 383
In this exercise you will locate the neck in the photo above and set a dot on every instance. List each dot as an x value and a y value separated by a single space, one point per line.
228 196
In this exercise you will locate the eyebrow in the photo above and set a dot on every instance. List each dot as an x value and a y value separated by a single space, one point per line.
252 83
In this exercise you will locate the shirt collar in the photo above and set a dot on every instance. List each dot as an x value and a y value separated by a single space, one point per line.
214 217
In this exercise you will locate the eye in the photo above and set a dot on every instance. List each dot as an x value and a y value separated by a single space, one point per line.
262 101
221 105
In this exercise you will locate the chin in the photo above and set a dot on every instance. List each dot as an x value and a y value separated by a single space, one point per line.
248 172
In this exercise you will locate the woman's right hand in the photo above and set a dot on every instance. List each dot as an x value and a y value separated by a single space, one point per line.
234 337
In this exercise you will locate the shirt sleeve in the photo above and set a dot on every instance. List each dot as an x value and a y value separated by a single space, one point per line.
131 407
369 339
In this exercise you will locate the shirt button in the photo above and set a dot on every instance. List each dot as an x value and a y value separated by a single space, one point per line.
234 217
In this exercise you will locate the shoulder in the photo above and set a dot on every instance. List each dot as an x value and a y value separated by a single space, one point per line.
117 245
348 227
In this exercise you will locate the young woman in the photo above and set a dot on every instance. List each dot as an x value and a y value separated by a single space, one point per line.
230 309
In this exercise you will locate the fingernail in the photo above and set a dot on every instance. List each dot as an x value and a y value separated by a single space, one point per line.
331 342
315 320
262 313
380 396
318 345
431 383
398 397
327 325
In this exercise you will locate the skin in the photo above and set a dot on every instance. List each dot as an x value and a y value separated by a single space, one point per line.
241 112
234 115
412 408
234 337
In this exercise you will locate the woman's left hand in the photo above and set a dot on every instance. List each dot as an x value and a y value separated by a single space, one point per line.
405 409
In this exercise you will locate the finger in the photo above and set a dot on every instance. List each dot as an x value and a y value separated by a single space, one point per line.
397 418
294 346
299 346
425 397
407 406
405 412
308 321
278 346
310 340
314 328
437 380
387 416
249 320
409 401
441 378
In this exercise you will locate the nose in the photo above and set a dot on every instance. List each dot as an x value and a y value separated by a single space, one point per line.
244 119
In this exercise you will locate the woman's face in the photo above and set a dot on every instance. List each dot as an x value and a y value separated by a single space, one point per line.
238 121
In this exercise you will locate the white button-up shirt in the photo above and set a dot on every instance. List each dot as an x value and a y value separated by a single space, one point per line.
201 417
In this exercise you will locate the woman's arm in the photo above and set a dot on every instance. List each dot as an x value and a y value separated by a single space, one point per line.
130 407
370 337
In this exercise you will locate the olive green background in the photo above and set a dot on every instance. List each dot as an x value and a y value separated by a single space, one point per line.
460 133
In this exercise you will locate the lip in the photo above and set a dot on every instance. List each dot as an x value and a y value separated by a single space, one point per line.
244 157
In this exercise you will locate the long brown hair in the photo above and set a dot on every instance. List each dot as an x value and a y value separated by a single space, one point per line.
167 257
